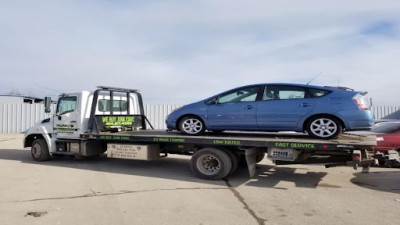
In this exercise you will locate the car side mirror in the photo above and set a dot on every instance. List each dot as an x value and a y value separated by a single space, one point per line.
47 104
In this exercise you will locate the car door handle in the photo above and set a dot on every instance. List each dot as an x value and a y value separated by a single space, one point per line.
73 121
249 107
304 104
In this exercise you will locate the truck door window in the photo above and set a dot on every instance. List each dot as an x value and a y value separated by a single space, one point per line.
66 105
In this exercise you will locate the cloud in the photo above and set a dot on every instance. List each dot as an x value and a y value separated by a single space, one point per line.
183 51
382 28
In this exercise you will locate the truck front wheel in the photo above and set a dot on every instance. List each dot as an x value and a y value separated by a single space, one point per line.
211 164
40 150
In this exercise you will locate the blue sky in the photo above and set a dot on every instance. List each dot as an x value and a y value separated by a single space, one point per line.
182 51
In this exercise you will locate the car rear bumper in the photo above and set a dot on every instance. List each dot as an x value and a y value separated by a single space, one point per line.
357 120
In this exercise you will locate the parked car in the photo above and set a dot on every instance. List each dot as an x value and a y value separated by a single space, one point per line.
390 118
387 149
323 112
387 136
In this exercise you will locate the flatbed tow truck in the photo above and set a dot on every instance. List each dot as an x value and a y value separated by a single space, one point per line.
112 121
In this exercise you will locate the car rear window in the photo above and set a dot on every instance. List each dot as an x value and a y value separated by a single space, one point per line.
386 128
315 92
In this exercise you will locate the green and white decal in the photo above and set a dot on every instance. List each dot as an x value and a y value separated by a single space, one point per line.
65 128
294 145
115 138
226 142
118 120
105 122
169 139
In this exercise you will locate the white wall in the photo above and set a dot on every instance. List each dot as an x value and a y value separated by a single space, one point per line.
11 100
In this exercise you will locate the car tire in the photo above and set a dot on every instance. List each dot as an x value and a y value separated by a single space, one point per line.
191 125
324 127
40 150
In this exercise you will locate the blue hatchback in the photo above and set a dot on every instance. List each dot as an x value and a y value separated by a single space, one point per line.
322 112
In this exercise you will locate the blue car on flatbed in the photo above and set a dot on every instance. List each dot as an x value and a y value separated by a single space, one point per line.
322 112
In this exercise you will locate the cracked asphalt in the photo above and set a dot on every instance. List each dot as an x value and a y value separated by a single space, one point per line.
113 191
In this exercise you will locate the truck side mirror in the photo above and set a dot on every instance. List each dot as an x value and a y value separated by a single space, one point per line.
47 104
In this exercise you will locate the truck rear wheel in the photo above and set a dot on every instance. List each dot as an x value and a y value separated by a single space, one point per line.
235 160
211 164
40 150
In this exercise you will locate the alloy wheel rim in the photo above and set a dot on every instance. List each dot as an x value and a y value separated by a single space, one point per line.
323 127
192 126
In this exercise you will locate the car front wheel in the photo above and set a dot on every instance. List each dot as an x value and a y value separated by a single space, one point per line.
324 127
192 125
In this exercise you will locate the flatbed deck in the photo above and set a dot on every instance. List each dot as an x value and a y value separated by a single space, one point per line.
242 139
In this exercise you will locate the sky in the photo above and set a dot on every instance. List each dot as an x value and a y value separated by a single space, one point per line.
181 51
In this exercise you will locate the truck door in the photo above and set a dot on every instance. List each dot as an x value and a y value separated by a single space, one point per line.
66 121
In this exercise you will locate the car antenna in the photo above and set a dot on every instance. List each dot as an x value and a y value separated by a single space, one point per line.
314 78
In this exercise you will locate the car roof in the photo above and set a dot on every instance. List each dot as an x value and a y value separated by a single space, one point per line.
332 88
389 122
386 127
290 84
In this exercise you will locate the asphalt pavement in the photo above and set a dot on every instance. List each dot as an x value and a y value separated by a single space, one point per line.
115 191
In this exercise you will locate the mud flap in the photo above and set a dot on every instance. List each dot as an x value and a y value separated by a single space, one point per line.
360 158
251 160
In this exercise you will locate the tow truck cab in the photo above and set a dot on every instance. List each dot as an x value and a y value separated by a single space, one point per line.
115 109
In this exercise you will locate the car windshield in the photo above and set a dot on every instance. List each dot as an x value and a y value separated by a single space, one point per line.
386 128
395 116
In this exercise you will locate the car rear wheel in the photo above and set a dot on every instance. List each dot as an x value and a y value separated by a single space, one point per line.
192 125
324 127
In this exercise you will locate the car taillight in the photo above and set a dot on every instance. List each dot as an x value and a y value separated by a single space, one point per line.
360 102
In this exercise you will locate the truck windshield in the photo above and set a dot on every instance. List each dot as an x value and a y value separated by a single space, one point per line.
66 105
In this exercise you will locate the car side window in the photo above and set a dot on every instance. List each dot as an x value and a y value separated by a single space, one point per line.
248 94
315 93
282 92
